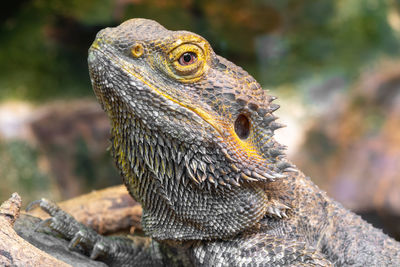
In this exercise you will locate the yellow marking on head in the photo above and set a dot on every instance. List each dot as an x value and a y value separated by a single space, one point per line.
246 145
95 44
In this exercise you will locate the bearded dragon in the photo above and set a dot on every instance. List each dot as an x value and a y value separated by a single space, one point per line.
193 138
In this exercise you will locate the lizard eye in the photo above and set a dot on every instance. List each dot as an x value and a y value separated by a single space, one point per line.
137 50
187 61
187 58
242 127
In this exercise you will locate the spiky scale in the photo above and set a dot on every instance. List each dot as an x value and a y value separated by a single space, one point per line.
290 169
245 177
275 126
283 165
268 119
202 166
179 157
273 107
193 165
275 152
234 182
190 173
272 98
178 171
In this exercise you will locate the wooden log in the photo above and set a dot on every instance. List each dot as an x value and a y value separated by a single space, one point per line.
108 211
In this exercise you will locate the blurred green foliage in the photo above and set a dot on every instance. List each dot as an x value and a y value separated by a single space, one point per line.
94 171
339 36
19 172
43 43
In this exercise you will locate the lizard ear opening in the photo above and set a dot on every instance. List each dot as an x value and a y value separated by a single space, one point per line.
242 126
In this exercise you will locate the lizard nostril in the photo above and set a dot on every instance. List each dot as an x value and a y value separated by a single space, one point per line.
242 126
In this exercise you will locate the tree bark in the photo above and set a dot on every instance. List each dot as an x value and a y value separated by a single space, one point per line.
13 249
107 211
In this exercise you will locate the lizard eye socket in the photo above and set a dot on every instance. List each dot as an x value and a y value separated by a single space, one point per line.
187 61
242 127
187 58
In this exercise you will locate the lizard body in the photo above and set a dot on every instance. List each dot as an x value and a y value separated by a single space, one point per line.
192 135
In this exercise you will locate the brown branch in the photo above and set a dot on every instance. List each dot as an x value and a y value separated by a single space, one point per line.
15 251
107 211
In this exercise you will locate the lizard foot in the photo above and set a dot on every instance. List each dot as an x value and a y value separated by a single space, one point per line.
115 251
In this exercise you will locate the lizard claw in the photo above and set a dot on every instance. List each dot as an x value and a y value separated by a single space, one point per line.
76 240
100 248
48 206
112 250
63 223
60 221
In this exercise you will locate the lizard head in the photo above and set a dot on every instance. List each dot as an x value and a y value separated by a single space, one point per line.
180 112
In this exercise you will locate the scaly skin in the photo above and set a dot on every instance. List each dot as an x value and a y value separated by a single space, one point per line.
194 144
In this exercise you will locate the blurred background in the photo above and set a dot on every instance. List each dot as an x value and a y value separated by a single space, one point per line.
334 64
